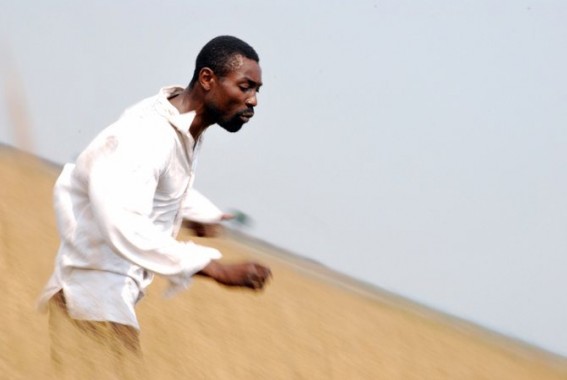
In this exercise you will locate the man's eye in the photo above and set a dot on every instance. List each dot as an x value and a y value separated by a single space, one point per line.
245 89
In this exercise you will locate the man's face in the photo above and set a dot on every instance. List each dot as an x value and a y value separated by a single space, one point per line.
233 97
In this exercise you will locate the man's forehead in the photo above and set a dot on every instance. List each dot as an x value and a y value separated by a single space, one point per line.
245 68
235 62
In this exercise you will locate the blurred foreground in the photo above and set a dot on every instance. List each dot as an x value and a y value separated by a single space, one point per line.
308 324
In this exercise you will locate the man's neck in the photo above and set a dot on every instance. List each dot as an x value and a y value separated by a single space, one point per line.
189 100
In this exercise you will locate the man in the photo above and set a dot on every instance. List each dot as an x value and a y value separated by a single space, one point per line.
118 207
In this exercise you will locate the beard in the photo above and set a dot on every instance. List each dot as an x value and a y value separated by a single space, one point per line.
231 125
230 122
234 123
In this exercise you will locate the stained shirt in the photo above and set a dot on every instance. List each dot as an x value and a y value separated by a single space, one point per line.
118 212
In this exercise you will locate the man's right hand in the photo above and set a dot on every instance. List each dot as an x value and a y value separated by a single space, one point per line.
248 274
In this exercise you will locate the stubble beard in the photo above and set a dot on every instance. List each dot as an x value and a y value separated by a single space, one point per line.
232 125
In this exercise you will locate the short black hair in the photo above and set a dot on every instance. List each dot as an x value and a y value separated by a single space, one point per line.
219 53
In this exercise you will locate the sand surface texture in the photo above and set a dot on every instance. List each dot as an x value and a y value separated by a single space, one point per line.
308 324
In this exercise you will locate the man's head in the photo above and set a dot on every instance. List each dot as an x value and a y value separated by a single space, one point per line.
228 71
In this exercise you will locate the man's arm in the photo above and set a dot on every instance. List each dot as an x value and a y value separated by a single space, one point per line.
121 186
248 274
201 215
207 229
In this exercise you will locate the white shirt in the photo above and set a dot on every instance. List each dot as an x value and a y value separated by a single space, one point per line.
197 208
118 210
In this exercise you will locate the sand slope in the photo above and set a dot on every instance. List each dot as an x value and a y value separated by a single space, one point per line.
308 324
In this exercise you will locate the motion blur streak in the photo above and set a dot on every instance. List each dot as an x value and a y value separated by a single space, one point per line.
18 115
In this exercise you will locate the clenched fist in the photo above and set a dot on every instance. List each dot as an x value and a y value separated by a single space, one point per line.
248 274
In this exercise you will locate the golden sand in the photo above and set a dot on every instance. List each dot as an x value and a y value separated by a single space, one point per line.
308 324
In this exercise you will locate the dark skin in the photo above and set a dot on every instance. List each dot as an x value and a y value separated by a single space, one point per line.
207 229
228 101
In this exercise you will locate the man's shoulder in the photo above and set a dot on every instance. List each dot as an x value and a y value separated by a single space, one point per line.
155 104
144 107
145 123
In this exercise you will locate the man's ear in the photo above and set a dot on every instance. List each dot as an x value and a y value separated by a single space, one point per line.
207 78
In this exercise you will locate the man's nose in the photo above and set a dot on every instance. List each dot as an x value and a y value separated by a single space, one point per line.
252 101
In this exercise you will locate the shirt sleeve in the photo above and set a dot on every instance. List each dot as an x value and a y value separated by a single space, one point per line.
197 208
122 184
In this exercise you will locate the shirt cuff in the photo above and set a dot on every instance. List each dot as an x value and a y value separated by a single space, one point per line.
195 260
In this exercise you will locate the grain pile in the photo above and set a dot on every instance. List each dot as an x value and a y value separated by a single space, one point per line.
307 324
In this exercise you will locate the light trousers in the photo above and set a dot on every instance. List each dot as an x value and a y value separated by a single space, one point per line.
92 350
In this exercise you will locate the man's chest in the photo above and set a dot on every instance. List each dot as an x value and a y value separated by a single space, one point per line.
175 180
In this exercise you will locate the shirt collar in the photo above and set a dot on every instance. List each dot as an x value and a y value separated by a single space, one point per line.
181 121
